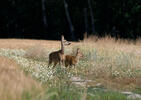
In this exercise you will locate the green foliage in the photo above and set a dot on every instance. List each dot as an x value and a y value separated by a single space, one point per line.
26 95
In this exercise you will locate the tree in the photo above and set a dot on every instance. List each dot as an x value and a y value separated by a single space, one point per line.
69 21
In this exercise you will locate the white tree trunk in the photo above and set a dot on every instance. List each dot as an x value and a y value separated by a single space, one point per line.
92 17
69 20
44 14
86 20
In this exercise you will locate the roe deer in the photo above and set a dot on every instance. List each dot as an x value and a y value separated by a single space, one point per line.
73 60
58 56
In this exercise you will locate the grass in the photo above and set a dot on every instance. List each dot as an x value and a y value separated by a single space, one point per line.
115 65
77 94
13 81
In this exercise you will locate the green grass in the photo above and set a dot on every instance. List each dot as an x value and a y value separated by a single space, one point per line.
137 90
74 94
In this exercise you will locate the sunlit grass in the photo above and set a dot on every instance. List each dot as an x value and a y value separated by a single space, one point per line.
119 67
13 81
114 65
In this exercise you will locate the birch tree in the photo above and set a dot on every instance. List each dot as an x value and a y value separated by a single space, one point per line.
69 21
44 14
92 16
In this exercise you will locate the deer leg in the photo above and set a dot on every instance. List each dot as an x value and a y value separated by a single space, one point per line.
59 63
70 66
66 65
74 66
62 62
55 63
49 63
75 70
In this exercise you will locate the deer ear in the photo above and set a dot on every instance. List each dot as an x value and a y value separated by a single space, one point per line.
78 49
69 43
66 42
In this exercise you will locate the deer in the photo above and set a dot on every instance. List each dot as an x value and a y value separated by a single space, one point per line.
58 56
73 60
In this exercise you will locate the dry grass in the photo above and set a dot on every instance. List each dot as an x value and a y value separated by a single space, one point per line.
110 44
37 52
27 43
13 81
104 61
114 64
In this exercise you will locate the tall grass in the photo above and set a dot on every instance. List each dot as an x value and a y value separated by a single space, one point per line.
13 81
115 65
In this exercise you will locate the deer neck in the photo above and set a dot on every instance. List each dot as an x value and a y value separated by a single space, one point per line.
62 45
77 57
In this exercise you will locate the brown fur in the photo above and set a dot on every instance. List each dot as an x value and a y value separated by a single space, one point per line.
58 56
73 60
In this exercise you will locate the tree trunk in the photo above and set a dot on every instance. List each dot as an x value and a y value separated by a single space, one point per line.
86 20
69 21
92 17
44 14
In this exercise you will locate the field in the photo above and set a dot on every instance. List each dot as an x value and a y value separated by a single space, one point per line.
109 70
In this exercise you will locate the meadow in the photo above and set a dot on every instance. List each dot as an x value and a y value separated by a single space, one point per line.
108 68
